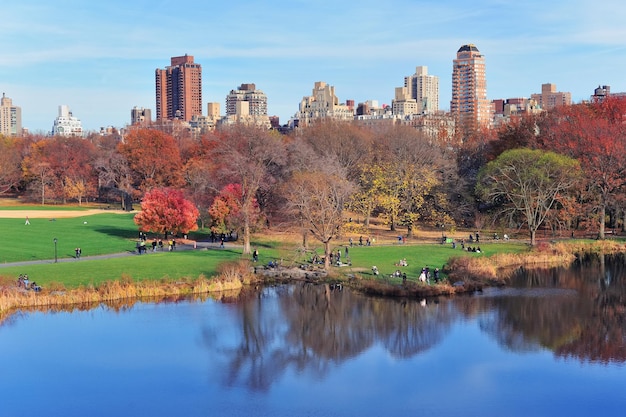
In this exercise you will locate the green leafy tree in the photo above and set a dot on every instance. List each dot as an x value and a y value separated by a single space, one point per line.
528 184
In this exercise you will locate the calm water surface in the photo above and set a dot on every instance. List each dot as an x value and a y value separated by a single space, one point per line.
553 343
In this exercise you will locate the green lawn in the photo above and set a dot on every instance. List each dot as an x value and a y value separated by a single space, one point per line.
417 256
149 266
95 235
116 233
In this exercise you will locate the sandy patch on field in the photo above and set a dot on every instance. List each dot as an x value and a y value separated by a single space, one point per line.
52 214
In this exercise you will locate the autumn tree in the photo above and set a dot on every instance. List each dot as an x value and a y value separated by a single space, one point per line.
318 198
54 166
595 135
37 170
201 179
227 210
166 211
251 157
406 169
527 184
71 158
113 171
345 142
153 157
10 164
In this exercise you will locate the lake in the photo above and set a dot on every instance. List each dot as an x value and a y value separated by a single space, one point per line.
551 343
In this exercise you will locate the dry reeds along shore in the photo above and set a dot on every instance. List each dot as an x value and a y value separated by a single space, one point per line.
12 297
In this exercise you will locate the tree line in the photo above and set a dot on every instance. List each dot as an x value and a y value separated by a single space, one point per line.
563 170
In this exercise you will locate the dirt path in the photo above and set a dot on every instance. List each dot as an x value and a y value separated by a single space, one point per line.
52 214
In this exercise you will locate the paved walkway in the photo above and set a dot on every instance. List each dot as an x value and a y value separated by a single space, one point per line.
179 247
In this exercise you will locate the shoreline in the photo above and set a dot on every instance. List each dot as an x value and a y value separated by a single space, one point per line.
464 276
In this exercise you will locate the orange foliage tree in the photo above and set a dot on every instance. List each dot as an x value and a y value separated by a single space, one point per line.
227 210
153 158
165 210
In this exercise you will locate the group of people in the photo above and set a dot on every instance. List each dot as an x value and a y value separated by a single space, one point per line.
368 242
24 282
157 244
402 262
424 277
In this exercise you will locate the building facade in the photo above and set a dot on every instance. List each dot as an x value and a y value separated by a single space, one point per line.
10 117
179 89
256 99
321 104
469 105
140 116
424 89
66 124
403 104
549 98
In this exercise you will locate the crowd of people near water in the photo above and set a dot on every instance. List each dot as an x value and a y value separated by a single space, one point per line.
424 277
24 283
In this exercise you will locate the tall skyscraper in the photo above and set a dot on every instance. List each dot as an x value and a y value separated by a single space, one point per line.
179 89
424 89
469 105
10 117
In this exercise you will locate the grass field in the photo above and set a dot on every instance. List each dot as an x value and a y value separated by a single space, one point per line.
116 233
150 266
418 256
95 235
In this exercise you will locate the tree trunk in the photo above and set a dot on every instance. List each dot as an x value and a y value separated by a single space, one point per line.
533 234
327 254
246 236
602 221
305 242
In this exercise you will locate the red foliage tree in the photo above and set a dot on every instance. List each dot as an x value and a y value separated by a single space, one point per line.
595 134
165 210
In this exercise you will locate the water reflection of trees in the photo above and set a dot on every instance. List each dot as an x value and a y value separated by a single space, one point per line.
578 312
587 323
311 327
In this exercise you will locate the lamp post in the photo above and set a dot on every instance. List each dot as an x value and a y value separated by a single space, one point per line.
55 250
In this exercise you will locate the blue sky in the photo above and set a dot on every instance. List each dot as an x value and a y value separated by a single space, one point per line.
99 57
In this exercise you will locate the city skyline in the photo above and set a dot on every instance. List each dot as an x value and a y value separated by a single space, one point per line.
99 57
